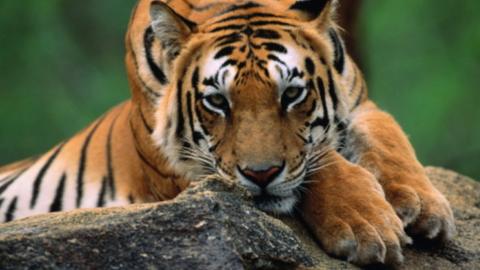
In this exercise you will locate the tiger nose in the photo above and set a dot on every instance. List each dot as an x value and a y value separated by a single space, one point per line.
262 177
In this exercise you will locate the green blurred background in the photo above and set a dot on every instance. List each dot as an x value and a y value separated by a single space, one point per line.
61 66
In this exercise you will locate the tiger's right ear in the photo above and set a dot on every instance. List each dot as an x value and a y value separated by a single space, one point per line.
171 29
322 12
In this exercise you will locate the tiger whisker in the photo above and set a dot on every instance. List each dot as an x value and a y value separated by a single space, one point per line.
316 169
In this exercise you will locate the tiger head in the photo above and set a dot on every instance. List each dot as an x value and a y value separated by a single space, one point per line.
248 94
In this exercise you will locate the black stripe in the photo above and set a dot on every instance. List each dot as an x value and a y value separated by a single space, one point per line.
224 52
323 61
131 199
195 78
1 202
294 37
321 121
312 7
300 172
148 39
110 176
332 91
144 160
142 156
248 17
360 96
209 82
310 66
227 27
316 158
241 65
228 39
198 96
248 31
200 120
83 163
339 61
321 88
145 86
6 185
41 174
227 63
266 34
294 73
102 193
262 23
11 180
247 5
196 136
214 146
195 82
57 203
144 121
12 207
302 138
190 115
180 121
276 59
261 64
216 77
271 46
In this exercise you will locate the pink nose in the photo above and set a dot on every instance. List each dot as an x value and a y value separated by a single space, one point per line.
262 178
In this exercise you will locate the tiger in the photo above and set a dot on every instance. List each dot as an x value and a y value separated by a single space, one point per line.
263 94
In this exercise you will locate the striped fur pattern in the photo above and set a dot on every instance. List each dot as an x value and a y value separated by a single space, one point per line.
151 147
262 94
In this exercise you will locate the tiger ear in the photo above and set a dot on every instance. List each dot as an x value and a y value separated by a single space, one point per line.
171 29
320 12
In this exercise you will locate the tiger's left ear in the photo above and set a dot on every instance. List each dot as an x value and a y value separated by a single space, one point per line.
320 12
170 28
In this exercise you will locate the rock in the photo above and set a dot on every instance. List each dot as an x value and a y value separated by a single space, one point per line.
210 226
214 226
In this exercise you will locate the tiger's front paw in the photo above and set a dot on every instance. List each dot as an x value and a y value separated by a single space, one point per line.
357 223
425 212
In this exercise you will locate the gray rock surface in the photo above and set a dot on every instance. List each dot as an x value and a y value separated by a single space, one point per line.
213 226
210 226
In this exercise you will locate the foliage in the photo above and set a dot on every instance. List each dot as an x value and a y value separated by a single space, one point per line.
422 63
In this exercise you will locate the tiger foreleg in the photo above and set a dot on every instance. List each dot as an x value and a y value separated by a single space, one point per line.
378 144
346 209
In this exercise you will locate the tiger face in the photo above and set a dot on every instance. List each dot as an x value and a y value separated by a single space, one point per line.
249 103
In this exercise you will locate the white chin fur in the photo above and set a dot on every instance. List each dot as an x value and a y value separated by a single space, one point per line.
279 206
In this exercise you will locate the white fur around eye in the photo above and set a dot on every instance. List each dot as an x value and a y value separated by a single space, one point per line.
212 108
297 83
213 91
298 100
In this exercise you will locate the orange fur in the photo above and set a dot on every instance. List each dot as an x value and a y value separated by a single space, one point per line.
134 152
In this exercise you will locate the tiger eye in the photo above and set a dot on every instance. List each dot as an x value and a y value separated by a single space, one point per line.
217 100
292 92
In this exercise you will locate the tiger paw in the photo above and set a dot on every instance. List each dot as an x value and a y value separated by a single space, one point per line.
424 211
356 223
